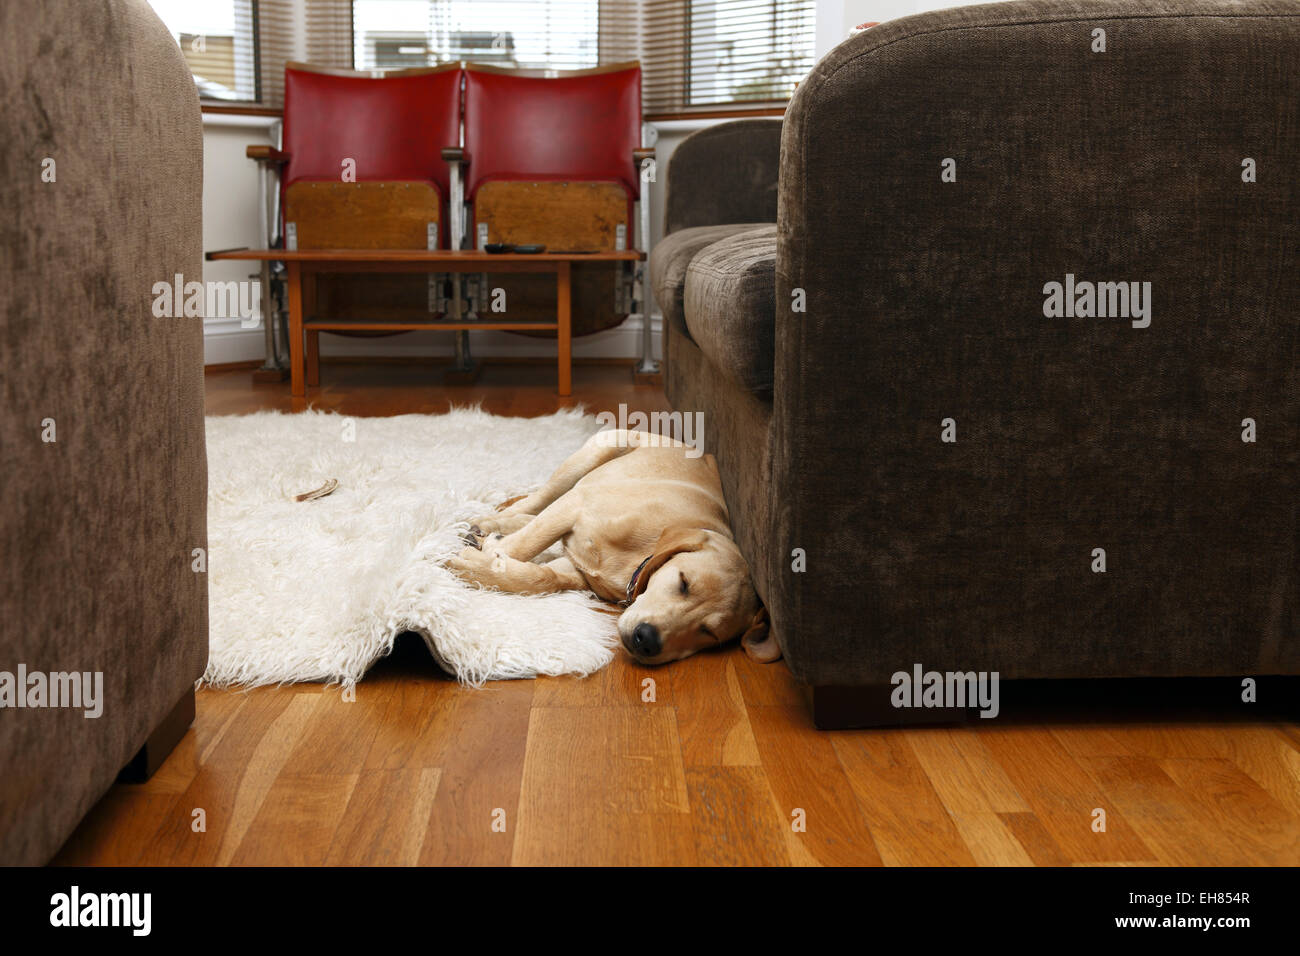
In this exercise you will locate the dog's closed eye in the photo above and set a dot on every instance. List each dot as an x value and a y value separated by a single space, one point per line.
684 587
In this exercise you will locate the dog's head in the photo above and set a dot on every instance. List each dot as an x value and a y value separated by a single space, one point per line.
693 592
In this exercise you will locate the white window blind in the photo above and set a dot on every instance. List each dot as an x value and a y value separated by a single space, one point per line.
237 48
533 34
217 39
696 55
310 31
706 54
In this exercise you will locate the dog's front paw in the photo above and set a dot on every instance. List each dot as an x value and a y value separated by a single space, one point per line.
480 565
468 563
486 525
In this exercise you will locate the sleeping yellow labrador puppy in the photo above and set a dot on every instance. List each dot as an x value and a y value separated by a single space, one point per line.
642 524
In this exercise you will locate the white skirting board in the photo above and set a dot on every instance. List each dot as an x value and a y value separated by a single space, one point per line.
224 341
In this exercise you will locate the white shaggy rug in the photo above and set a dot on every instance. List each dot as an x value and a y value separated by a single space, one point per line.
318 590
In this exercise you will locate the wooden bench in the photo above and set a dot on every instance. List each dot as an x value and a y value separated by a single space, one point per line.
386 176
307 264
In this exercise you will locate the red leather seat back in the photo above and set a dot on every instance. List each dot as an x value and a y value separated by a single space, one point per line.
580 127
395 127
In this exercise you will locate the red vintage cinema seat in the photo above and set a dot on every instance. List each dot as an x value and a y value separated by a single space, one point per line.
361 168
553 158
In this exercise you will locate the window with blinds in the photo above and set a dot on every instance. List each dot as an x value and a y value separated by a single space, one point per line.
218 40
531 34
700 55
696 55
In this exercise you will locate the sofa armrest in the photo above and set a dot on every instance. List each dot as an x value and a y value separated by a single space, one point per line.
269 155
724 174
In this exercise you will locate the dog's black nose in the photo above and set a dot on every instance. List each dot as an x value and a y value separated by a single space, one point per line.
645 640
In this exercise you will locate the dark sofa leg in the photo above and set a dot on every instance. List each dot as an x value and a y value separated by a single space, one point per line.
844 708
161 742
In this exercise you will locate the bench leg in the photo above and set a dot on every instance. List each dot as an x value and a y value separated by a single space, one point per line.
313 359
271 370
297 384
313 338
563 314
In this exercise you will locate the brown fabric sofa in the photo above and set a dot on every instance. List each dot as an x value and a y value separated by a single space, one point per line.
927 300
99 523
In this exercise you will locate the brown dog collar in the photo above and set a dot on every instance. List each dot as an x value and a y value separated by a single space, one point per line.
631 585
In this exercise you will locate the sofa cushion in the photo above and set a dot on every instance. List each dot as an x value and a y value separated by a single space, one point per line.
670 258
730 306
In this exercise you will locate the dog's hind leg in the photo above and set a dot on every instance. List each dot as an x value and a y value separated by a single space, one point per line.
538 533
599 448
522 520
496 524
492 568
544 530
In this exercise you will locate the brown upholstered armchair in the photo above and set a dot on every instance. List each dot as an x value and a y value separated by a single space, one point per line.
927 461
103 481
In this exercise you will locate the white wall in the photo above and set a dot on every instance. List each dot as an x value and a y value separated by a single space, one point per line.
230 219
835 18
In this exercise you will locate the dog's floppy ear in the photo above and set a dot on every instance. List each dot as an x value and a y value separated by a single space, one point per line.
758 641
671 542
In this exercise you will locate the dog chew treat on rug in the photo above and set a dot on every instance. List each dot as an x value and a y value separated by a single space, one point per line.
320 492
